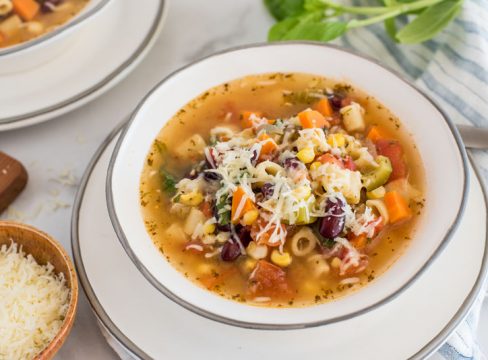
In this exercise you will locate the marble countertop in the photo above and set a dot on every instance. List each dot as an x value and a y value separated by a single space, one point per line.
57 152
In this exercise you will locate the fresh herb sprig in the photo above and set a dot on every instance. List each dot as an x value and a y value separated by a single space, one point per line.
325 20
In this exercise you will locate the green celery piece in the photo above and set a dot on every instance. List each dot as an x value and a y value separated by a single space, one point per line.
379 176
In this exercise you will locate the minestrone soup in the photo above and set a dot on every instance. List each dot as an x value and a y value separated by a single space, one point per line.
24 20
282 189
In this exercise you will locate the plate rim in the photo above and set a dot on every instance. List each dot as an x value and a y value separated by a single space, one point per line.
137 352
98 89
289 326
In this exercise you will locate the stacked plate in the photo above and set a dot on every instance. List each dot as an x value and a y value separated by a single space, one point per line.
120 32
411 323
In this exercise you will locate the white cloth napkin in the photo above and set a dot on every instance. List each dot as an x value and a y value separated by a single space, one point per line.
453 69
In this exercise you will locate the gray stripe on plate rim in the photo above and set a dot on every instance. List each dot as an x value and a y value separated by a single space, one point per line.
433 345
105 81
264 326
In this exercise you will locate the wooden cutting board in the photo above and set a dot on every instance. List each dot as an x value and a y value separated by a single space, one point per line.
13 178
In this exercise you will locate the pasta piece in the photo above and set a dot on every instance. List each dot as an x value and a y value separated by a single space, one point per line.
34 27
318 265
303 242
5 7
380 206
267 168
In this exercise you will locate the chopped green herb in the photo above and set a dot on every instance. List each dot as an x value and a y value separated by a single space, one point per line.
168 181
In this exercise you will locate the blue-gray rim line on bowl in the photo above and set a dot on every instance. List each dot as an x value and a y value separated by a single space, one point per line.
51 34
149 38
132 348
263 326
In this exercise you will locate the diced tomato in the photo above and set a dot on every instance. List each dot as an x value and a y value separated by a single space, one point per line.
331 159
393 151
206 208
268 280
349 164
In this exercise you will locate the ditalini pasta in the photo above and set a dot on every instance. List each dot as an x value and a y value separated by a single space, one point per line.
282 189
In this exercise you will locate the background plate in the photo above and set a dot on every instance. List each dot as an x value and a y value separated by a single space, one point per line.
122 35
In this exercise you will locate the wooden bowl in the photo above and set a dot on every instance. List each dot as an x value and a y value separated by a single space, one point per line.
45 249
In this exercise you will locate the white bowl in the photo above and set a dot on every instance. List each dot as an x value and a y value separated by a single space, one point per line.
29 54
437 139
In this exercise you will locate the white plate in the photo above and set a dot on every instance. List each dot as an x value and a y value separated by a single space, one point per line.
121 36
149 325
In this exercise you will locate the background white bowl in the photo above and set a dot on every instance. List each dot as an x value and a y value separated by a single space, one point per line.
30 54
439 144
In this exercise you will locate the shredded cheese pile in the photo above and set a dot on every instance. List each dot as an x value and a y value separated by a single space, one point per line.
33 304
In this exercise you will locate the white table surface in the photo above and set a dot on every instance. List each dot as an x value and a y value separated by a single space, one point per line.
61 148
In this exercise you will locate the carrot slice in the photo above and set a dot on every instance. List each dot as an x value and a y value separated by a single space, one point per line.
268 146
323 107
312 119
358 241
246 121
397 206
237 212
26 9
376 133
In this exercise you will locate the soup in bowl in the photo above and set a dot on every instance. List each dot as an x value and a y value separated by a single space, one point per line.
35 31
285 193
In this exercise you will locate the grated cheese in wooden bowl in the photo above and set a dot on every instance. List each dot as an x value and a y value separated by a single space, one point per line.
33 304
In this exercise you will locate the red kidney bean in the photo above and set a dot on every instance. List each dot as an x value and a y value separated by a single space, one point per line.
230 251
332 225
244 235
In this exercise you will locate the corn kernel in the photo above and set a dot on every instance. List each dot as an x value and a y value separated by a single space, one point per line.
377 193
209 229
315 165
306 155
281 259
302 192
336 263
192 199
250 217
256 251
336 140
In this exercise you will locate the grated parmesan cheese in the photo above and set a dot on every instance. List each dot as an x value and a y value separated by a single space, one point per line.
33 304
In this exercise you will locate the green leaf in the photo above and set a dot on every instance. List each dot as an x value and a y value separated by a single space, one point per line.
168 181
316 30
391 29
430 22
280 29
314 5
281 9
